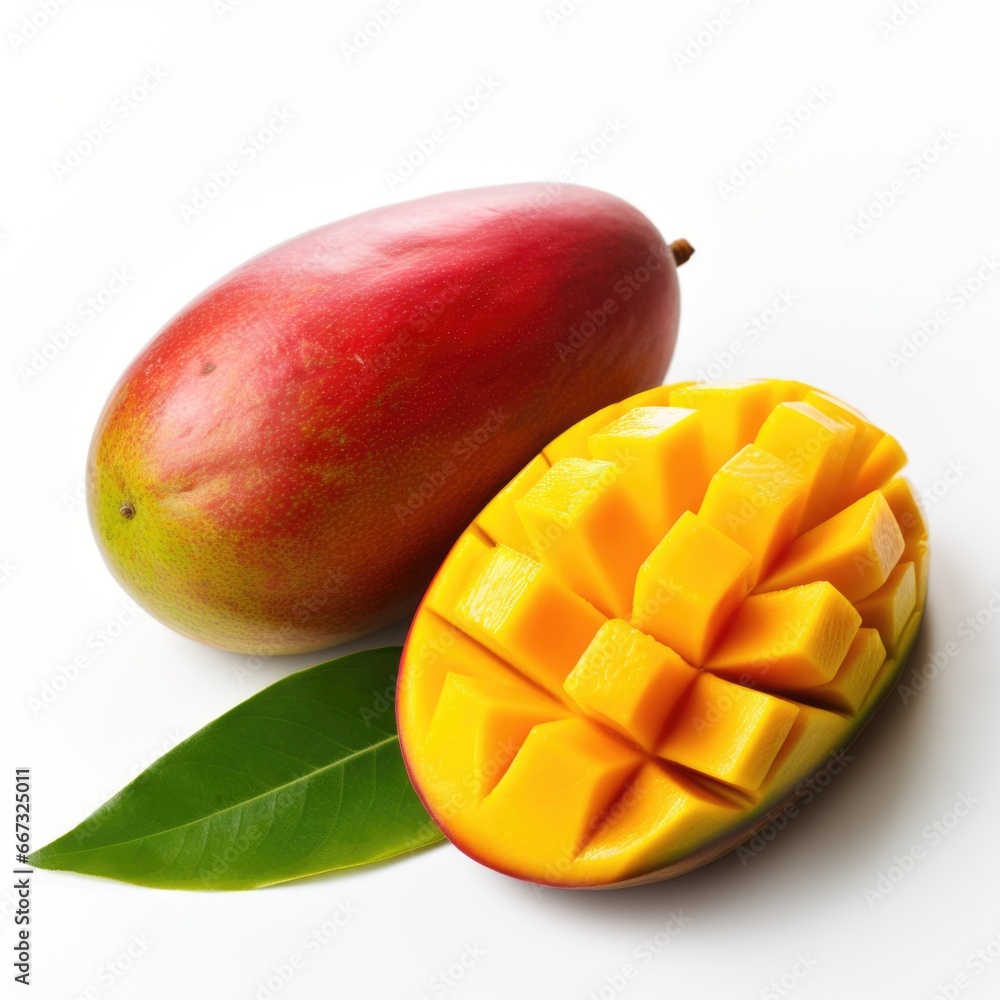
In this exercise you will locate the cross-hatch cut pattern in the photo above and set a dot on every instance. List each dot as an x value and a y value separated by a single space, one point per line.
666 621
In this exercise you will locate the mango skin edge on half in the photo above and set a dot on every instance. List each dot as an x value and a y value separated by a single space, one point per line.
666 623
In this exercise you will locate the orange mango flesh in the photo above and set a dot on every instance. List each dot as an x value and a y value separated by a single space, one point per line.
670 619
629 681
585 525
689 586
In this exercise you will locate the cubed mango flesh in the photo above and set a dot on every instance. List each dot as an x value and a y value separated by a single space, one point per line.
646 443
479 726
558 787
855 550
498 519
631 682
757 500
787 638
521 612
689 586
906 509
657 633
866 437
816 446
889 608
846 690
885 460
732 411
729 732
583 521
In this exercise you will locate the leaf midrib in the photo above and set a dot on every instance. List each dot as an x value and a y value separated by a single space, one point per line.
237 805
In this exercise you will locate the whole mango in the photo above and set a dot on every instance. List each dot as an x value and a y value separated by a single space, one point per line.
285 465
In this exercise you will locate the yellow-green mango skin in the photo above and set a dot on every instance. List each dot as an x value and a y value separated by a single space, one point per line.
182 557
285 465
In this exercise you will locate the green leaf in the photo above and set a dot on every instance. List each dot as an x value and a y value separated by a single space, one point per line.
304 777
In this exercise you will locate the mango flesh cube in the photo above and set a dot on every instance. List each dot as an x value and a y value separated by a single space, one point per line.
866 436
886 459
585 525
664 815
812 741
572 443
657 396
889 671
479 726
815 445
729 732
757 501
499 520
655 636
905 509
629 681
903 503
890 607
733 412
437 648
689 586
465 563
846 690
566 774
855 550
646 442
519 610
793 638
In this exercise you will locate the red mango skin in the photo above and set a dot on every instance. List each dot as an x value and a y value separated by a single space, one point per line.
286 464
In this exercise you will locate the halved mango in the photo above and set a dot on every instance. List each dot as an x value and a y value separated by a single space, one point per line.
658 631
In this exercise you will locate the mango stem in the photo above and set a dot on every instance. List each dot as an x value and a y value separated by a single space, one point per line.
682 251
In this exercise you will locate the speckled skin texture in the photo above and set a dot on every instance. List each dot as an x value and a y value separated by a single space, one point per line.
285 465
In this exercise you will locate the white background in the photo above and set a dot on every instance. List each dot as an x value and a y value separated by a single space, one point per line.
881 96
